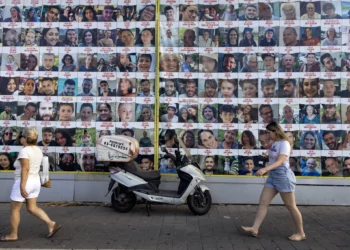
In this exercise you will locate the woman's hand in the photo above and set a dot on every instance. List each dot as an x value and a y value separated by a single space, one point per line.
261 172
24 192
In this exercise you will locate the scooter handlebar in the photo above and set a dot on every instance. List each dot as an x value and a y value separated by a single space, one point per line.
168 155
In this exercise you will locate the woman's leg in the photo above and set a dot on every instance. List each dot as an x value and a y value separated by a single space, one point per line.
39 213
289 202
14 219
265 198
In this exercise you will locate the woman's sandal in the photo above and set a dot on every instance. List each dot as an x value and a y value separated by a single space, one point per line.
4 239
249 230
297 237
55 230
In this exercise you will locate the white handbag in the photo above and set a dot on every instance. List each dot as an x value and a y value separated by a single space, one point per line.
44 173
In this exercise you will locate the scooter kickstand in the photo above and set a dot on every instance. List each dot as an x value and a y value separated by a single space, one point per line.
148 207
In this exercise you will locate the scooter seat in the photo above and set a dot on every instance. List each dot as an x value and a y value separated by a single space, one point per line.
132 168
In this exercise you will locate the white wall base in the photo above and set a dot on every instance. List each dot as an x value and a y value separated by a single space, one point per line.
226 190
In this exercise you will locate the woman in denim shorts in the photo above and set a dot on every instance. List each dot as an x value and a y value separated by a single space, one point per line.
281 180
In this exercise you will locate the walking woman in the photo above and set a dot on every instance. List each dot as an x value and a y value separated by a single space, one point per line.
27 185
281 180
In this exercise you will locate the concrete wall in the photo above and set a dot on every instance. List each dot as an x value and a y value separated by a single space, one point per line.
93 187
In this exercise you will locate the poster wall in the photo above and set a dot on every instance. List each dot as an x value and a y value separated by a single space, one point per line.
80 70
228 68
77 70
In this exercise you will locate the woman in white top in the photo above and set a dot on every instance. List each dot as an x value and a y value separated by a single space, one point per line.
27 185
281 180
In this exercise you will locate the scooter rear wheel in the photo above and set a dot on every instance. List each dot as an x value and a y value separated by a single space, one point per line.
199 203
123 200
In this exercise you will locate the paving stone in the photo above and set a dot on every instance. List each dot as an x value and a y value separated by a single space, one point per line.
175 227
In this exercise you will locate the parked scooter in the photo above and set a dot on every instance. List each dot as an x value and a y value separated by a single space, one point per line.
137 184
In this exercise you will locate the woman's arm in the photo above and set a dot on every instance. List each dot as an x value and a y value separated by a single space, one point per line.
24 176
281 158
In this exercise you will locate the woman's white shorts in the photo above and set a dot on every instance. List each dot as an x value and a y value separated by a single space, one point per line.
32 187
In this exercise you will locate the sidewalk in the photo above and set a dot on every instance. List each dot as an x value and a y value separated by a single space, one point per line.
171 227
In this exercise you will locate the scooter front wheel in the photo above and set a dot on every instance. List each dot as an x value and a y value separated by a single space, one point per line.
123 200
199 203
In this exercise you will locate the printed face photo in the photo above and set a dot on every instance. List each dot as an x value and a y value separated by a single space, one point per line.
86 111
332 166
310 87
309 114
50 13
169 63
11 37
248 88
170 12
86 162
268 88
188 37
188 13
126 112
208 113
288 88
126 38
289 114
65 111
329 87
104 112
48 86
269 62
309 140
31 37
144 113
331 140
145 62
13 62
169 88
189 62
169 37
330 62
47 137
268 113
67 87
29 86
46 111
26 111
87 87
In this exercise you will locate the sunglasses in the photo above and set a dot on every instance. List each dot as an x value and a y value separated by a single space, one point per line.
8 133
